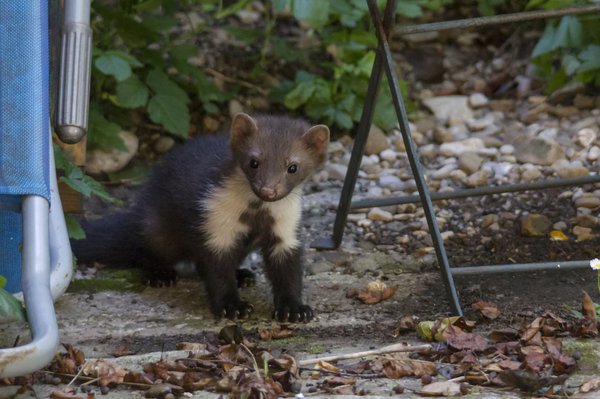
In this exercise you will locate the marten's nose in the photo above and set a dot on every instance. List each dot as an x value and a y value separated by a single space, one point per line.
267 193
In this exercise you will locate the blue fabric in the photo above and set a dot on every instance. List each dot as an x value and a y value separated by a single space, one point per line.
11 234
24 122
24 101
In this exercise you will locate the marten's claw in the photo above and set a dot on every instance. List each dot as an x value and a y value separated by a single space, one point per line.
293 314
241 310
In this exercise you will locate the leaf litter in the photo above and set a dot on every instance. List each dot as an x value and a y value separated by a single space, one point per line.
529 358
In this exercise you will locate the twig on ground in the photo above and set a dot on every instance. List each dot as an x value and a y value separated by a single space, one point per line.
78 373
237 81
386 349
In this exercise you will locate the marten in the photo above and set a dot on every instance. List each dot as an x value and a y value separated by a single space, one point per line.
212 201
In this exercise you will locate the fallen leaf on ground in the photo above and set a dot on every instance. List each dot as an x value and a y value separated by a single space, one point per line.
532 329
280 332
336 381
434 330
398 368
191 346
590 326
557 235
461 340
526 380
591 385
406 323
376 292
107 372
441 388
121 350
68 393
487 309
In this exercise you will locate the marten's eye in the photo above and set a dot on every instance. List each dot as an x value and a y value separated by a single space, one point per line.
253 163
293 168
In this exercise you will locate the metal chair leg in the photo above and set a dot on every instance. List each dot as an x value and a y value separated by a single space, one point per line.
36 291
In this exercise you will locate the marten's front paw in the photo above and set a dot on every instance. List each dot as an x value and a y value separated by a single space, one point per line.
234 309
245 278
160 277
288 312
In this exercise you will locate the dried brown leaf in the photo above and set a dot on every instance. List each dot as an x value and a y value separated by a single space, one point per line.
121 350
399 368
525 380
487 309
591 385
536 361
336 381
108 372
326 366
532 329
58 394
280 332
461 340
191 346
407 323
504 334
441 388
376 292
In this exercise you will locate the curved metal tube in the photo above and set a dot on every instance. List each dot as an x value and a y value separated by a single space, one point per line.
38 298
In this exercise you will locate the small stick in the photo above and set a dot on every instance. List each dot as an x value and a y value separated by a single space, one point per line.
386 349
78 373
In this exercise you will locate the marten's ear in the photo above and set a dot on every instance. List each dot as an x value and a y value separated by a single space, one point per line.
317 137
242 126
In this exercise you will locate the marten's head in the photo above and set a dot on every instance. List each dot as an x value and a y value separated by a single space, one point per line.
276 153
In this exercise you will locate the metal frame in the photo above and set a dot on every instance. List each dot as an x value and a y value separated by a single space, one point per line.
383 61
47 264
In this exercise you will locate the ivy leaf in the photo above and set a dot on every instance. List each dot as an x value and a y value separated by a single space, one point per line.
159 23
569 33
75 230
313 12
590 58
160 83
74 177
546 42
409 10
104 134
300 94
171 112
113 65
10 308
130 59
132 93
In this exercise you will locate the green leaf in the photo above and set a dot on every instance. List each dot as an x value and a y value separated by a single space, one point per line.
409 10
160 83
183 52
313 12
590 58
130 59
75 230
77 180
132 93
104 134
171 112
570 63
569 33
232 9
2 281
113 65
546 42
299 94
159 23
10 308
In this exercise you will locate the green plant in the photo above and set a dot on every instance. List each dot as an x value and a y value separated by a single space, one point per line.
137 67
10 308
569 48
